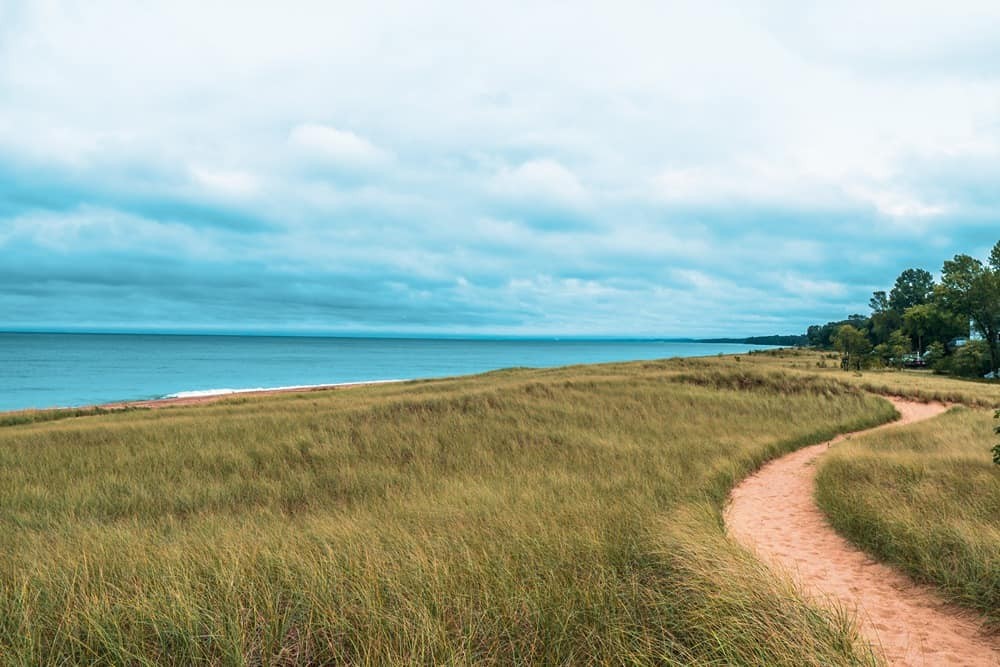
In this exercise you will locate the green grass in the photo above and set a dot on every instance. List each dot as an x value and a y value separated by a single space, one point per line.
927 499
566 516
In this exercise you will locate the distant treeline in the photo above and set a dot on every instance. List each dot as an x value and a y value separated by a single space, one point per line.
952 326
784 341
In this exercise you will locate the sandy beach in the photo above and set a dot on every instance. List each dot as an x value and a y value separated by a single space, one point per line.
213 396
184 399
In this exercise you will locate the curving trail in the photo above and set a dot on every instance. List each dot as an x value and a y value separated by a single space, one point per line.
773 513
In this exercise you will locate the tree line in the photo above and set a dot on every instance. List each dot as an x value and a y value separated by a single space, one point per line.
777 339
951 326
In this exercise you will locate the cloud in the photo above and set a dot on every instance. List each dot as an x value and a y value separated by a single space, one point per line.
926 40
541 181
650 169
803 286
339 147
235 183
899 205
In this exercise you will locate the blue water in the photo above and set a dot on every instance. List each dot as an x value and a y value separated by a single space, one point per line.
48 370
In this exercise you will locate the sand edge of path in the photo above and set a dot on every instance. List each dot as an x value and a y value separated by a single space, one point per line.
773 513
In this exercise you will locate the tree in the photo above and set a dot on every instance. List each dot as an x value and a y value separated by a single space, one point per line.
972 289
931 322
892 351
884 320
917 321
945 325
879 303
883 324
899 345
822 335
913 287
853 343
971 360
936 351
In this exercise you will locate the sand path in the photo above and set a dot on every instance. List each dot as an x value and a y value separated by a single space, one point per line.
773 513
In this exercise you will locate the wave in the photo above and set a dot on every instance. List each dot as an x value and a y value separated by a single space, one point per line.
199 393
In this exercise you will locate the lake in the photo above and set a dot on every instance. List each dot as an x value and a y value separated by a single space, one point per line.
49 370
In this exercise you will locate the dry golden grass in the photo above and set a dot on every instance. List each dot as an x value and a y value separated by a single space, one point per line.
921 385
565 516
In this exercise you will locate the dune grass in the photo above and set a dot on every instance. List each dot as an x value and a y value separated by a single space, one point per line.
567 516
920 385
37 416
925 498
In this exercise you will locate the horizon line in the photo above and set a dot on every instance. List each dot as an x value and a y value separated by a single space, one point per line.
236 333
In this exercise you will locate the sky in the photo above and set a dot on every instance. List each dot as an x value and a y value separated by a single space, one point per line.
515 168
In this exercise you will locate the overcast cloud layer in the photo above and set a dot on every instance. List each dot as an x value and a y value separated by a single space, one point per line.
655 168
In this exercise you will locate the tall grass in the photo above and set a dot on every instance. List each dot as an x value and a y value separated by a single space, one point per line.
920 385
37 416
567 516
926 498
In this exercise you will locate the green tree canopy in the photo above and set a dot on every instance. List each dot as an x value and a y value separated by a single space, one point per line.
853 343
822 335
972 289
913 287
917 313
883 324
932 322
917 321
879 303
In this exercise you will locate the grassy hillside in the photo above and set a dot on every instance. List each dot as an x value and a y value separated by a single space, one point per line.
566 516
926 498
921 385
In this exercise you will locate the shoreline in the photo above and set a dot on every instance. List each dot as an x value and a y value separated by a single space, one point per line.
202 397
146 373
